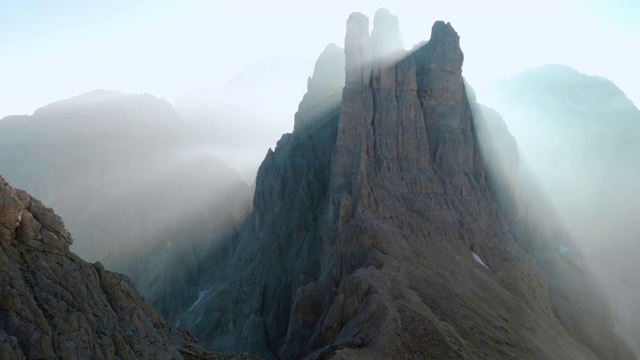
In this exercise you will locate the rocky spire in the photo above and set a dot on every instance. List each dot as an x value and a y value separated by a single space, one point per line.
412 119
439 67
386 49
385 36
357 50
324 87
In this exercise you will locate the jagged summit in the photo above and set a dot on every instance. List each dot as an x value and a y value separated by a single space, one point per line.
376 233
385 36
324 87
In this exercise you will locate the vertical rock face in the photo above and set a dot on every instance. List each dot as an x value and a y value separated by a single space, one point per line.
53 305
380 233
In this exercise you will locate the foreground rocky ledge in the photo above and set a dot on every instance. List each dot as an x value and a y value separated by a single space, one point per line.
54 305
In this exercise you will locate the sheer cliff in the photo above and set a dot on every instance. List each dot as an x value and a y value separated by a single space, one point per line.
381 229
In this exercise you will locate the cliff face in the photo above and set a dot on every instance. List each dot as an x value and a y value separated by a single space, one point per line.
379 230
56 306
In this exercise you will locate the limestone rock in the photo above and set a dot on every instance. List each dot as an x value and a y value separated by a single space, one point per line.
382 231
54 305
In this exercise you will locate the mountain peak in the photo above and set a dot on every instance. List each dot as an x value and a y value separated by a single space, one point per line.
385 36
377 232
323 87
357 50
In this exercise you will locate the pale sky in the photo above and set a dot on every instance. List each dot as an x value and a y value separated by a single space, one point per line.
55 49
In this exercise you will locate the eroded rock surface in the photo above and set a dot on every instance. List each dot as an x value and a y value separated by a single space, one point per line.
382 231
54 305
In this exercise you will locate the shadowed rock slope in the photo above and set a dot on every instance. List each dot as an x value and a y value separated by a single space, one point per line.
378 231
54 305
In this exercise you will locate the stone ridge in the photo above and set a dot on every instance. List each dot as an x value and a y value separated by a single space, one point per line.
53 305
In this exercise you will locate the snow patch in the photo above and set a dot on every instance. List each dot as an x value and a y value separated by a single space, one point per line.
564 249
201 296
477 258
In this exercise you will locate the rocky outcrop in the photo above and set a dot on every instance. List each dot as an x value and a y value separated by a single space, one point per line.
324 88
379 232
53 305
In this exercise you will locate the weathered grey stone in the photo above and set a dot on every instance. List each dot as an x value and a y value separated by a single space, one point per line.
10 209
53 305
365 221
357 50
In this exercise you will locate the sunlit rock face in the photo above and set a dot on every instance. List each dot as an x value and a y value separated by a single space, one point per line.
580 135
382 231
54 305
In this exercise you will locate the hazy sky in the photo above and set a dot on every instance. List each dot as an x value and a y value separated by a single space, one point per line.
51 50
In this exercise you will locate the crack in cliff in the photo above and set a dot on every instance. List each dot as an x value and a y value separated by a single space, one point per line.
374 125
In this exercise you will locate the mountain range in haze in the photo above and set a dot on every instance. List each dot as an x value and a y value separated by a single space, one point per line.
580 135
399 219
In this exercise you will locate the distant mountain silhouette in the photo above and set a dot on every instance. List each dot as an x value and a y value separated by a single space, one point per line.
581 135
119 169
249 113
